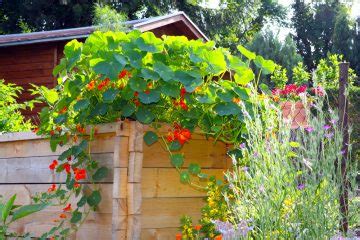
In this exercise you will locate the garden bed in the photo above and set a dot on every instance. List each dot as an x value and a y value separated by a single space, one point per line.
142 194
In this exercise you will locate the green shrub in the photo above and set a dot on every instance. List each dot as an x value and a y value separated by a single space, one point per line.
11 119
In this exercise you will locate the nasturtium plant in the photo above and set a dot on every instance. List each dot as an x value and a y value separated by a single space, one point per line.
186 84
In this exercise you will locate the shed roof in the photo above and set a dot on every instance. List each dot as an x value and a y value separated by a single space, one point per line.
146 24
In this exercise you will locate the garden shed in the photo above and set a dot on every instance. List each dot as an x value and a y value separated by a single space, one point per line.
30 57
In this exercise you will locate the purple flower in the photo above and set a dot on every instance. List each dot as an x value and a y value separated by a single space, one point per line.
326 127
333 121
245 169
329 135
301 186
230 231
256 154
343 152
309 129
242 146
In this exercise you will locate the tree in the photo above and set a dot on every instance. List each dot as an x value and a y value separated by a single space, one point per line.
323 28
268 44
235 21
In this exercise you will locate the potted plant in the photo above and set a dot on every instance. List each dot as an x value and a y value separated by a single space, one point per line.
291 103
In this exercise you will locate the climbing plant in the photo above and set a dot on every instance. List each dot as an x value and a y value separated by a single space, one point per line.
185 84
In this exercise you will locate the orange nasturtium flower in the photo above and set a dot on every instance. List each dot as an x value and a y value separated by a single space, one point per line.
90 86
52 188
197 227
79 174
178 236
67 168
62 215
53 165
218 237
67 208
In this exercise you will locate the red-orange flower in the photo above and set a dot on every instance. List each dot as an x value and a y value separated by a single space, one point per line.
76 185
197 227
147 91
53 165
80 174
80 129
103 84
90 86
182 92
136 94
63 110
219 237
63 215
52 132
124 73
170 137
67 168
35 130
69 158
183 105
182 135
178 236
67 208
58 128
52 188
136 102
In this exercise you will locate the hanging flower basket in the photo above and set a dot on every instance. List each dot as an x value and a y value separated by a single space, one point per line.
294 112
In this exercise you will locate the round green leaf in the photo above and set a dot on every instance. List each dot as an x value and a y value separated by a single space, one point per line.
228 108
128 110
100 173
137 84
175 146
144 115
194 168
164 71
148 42
171 90
185 177
76 217
81 105
150 137
149 74
249 55
177 160
244 77
110 95
152 96
94 199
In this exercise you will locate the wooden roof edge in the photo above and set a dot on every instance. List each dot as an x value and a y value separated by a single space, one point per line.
146 24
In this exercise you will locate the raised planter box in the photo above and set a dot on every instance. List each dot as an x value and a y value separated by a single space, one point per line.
142 196
294 112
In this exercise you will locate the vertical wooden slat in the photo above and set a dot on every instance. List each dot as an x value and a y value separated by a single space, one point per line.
134 196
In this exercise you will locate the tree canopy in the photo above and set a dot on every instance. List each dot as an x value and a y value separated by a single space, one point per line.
233 22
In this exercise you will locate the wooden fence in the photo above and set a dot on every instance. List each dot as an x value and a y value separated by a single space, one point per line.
142 196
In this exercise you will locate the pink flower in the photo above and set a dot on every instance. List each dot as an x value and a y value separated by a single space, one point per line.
301 89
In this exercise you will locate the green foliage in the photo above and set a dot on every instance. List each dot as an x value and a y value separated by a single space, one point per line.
300 75
220 24
116 76
11 119
8 210
108 19
284 53
276 183
323 28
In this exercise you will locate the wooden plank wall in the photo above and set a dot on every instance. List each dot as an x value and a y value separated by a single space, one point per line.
143 197
31 63
24 171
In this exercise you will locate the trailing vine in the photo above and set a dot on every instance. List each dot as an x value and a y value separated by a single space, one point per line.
187 84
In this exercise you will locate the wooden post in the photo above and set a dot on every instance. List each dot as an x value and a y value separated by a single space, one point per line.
134 196
344 125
